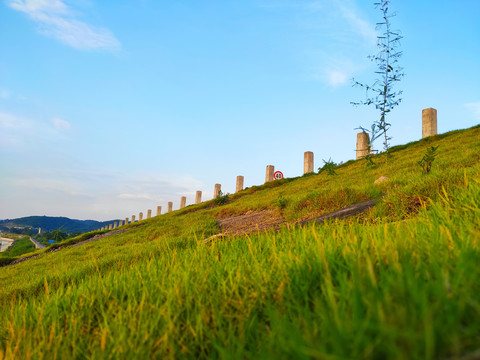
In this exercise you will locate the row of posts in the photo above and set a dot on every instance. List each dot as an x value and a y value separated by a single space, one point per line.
429 128
183 201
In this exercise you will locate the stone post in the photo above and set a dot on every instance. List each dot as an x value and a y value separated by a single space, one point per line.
133 219
120 223
307 162
149 214
198 197
126 221
429 122
140 216
239 186
216 190
109 226
362 145
183 202
269 173
170 206
115 225
159 210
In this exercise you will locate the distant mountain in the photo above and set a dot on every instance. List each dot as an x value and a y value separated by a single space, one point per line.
49 223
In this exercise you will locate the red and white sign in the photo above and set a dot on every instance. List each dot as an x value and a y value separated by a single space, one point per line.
277 175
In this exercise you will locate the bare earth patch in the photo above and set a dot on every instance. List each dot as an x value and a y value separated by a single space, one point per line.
272 219
256 221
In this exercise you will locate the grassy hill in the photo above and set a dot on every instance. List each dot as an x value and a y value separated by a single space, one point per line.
399 281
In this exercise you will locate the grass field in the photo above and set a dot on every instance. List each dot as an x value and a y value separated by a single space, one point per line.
400 281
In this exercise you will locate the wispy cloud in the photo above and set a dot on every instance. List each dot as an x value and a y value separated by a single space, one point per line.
57 20
336 77
341 18
342 31
13 130
16 131
98 194
61 124
356 22
474 107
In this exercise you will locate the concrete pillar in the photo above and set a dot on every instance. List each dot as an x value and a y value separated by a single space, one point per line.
269 173
239 186
216 190
183 202
429 122
198 197
170 206
159 210
140 216
115 225
362 145
120 223
307 162
133 219
149 214
126 221
109 226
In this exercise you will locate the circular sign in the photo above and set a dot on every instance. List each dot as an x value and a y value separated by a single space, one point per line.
277 175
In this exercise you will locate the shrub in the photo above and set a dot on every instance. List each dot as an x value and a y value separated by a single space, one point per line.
221 198
329 167
428 158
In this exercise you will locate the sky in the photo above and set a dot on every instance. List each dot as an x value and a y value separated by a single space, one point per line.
112 107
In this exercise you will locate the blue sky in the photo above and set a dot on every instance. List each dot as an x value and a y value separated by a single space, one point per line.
108 108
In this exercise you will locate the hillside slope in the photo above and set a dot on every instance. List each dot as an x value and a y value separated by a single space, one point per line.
399 281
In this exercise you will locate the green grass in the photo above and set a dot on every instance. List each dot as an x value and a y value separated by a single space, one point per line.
400 281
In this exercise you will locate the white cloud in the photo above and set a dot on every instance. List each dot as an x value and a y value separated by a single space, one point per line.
9 121
475 108
13 129
57 20
61 124
19 132
336 77
33 6
343 35
136 196
343 17
78 193
357 23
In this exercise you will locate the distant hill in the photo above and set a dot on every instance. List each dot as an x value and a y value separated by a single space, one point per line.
49 223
